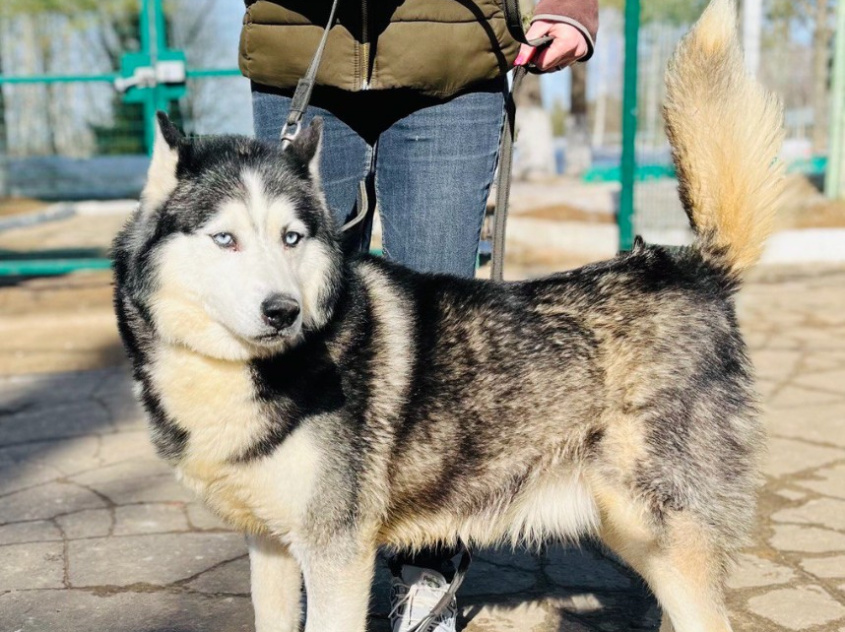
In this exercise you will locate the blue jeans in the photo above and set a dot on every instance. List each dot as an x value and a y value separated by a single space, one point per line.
434 164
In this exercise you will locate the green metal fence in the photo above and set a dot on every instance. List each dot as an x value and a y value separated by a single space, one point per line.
628 166
649 201
791 55
78 125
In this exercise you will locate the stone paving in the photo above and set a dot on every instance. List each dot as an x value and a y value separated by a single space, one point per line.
95 534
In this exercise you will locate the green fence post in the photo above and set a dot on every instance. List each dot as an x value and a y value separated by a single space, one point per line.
153 43
161 99
149 45
833 175
625 218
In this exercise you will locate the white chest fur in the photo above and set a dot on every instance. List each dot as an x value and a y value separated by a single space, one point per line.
214 401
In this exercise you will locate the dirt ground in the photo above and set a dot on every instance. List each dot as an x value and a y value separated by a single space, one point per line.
80 231
58 324
19 206
803 206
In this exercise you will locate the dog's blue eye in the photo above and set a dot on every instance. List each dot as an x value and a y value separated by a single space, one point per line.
292 238
224 240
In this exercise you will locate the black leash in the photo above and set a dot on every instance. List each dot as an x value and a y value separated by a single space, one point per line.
513 19
299 104
305 86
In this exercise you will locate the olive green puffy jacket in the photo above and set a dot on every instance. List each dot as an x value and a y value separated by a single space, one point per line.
435 47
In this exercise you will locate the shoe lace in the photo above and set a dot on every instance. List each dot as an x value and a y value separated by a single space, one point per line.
404 597
399 607
401 596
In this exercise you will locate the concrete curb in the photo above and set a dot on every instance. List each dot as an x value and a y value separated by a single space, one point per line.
52 213
807 245
599 241
66 210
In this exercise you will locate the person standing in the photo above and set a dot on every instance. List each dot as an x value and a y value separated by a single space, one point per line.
413 90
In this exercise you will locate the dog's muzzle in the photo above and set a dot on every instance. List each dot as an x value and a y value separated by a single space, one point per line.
280 311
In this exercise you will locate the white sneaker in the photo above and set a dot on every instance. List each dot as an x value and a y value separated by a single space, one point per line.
414 594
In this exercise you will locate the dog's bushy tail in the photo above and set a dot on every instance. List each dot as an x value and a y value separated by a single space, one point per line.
726 132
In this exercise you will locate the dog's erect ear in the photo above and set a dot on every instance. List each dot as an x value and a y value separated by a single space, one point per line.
168 131
161 176
306 146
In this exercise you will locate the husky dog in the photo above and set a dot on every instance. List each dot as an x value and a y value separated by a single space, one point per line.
329 405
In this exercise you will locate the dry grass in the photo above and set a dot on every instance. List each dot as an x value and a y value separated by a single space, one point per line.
20 206
524 263
58 324
568 213
79 231
803 206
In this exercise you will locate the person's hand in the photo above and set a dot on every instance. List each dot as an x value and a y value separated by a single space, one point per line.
568 45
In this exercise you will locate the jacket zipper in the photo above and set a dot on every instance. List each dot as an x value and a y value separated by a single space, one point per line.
365 46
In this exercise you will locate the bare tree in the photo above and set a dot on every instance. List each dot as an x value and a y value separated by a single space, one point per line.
578 151
821 59
191 30
817 14
533 123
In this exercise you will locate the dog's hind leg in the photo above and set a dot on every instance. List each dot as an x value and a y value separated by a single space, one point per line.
276 586
688 587
682 565
337 584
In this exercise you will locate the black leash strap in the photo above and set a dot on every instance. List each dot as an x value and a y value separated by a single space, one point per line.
513 19
299 104
364 205
431 618
305 86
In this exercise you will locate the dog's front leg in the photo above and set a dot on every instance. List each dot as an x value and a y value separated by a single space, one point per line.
337 584
276 585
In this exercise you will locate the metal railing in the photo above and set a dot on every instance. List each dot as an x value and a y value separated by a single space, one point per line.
152 78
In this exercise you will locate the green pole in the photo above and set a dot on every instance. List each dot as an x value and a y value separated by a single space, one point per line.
110 77
151 38
144 26
629 126
160 32
203 73
38 267
833 176
159 96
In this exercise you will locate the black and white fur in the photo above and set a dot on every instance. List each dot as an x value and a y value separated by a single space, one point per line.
389 408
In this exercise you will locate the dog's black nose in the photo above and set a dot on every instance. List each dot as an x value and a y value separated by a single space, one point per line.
279 311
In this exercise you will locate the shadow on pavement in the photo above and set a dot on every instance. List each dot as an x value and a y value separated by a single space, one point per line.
580 589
